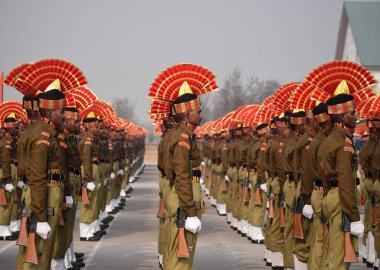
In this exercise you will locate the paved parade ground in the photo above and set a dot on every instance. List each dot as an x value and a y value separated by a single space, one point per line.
131 243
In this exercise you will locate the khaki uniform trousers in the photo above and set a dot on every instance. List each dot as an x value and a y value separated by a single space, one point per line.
44 247
274 232
318 248
290 193
171 261
302 246
88 213
333 211
233 176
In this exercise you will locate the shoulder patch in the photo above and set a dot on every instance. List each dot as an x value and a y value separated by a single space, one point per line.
8 146
46 134
184 135
8 142
61 136
43 142
62 144
184 144
88 139
348 140
349 149
263 148
310 139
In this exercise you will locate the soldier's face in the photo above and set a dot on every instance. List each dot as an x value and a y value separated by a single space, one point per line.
57 117
349 119
195 117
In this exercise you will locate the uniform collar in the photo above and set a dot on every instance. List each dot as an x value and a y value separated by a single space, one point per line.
189 130
343 130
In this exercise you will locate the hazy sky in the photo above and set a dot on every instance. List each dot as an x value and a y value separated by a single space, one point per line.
122 45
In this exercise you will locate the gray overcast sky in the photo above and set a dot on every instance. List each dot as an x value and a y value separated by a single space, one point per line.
122 45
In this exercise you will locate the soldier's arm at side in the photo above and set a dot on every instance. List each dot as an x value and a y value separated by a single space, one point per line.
182 183
6 162
86 160
347 182
38 177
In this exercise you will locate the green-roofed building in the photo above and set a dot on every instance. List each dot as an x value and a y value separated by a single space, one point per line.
359 35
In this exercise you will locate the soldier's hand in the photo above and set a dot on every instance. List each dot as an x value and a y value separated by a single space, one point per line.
120 172
226 178
9 187
357 228
193 224
69 201
307 211
43 230
113 175
263 187
90 186
20 184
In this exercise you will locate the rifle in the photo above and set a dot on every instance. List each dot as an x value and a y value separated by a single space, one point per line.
258 200
3 198
161 210
271 203
349 251
246 188
281 205
22 239
298 205
374 208
31 250
85 198
183 249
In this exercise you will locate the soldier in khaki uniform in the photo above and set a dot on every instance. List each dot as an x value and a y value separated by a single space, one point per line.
312 190
276 163
46 175
89 150
183 173
338 161
297 125
259 185
302 246
376 189
7 145
367 163
72 124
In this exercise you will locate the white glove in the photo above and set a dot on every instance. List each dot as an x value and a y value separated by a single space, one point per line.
69 201
105 181
307 211
126 169
20 184
250 186
263 187
90 186
120 172
203 164
100 184
357 228
43 230
193 224
9 187
226 178
113 175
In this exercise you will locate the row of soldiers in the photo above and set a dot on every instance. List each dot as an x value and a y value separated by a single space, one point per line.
53 163
294 183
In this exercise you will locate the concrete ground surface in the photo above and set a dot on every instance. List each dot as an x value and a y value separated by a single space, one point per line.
131 240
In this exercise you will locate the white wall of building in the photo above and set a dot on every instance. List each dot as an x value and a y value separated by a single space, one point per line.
350 53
